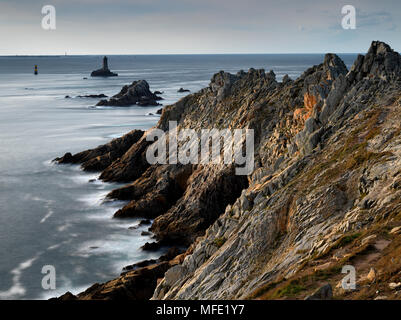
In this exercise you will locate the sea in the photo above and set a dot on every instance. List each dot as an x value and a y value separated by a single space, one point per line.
56 215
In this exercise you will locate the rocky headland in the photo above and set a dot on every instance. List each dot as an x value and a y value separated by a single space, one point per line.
325 192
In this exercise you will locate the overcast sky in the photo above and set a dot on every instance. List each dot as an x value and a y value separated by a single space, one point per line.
196 26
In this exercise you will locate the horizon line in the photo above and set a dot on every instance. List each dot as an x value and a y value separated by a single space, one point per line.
167 54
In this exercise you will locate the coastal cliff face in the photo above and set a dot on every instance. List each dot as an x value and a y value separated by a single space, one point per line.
325 191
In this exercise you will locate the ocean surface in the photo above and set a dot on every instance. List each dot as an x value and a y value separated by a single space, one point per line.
55 214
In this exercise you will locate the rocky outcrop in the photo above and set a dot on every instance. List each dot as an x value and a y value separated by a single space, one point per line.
103 156
138 93
96 96
324 191
133 285
104 71
136 282
182 90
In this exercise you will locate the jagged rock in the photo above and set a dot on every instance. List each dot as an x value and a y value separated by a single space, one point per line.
286 79
201 203
103 156
102 95
381 61
138 284
182 90
68 296
153 246
171 254
145 222
138 93
104 71
221 84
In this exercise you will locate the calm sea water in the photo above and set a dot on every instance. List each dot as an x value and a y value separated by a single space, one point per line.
53 215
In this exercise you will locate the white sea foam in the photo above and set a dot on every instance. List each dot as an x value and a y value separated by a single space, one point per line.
17 290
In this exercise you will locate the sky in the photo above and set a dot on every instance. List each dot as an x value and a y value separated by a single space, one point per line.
196 26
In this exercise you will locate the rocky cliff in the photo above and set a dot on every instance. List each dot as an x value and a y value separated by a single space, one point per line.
325 191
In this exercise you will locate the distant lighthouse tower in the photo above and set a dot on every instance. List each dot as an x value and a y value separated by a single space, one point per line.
104 71
105 64
36 70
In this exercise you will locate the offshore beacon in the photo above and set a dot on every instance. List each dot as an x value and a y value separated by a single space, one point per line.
36 70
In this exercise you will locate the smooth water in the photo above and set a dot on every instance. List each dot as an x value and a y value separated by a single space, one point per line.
54 214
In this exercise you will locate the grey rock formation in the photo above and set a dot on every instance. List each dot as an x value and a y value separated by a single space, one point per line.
138 93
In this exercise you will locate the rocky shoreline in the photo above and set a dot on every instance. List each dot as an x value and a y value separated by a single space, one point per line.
325 190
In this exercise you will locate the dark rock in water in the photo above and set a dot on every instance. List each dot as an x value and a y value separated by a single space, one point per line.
138 265
145 233
171 254
151 246
67 97
150 114
158 92
101 157
67 158
93 96
159 111
137 93
145 222
138 284
181 90
85 78
104 71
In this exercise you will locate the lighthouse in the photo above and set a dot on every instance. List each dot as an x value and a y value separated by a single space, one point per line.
105 64
36 70
104 71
